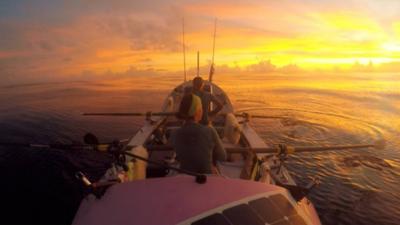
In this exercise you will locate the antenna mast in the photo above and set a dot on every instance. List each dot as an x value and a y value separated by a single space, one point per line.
212 60
184 51
198 60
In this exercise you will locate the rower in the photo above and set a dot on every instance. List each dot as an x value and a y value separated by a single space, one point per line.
206 99
196 146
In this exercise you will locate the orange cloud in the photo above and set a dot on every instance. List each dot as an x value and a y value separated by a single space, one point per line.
147 36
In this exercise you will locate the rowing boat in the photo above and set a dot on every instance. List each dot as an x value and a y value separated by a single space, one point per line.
251 187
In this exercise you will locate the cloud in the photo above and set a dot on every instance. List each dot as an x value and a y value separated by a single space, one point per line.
62 39
261 67
143 34
34 47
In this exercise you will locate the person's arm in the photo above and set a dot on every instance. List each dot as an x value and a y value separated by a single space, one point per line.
218 106
219 152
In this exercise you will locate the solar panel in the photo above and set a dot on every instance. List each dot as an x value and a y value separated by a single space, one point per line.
297 220
275 209
266 210
283 204
214 219
242 215
282 222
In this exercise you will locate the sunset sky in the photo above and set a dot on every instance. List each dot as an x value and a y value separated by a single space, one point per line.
50 38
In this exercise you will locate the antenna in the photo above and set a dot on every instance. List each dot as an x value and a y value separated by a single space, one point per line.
184 51
198 60
210 76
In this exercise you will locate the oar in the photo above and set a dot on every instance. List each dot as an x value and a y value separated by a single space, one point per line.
131 114
33 145
292 149
265 117
90 142
379 145
245 115
88 146
249 116
285 149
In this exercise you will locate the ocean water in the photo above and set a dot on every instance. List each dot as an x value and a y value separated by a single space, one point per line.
357 186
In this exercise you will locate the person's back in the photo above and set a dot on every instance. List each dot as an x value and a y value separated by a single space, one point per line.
206 98
196 146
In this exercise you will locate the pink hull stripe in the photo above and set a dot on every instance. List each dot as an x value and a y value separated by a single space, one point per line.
165 200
